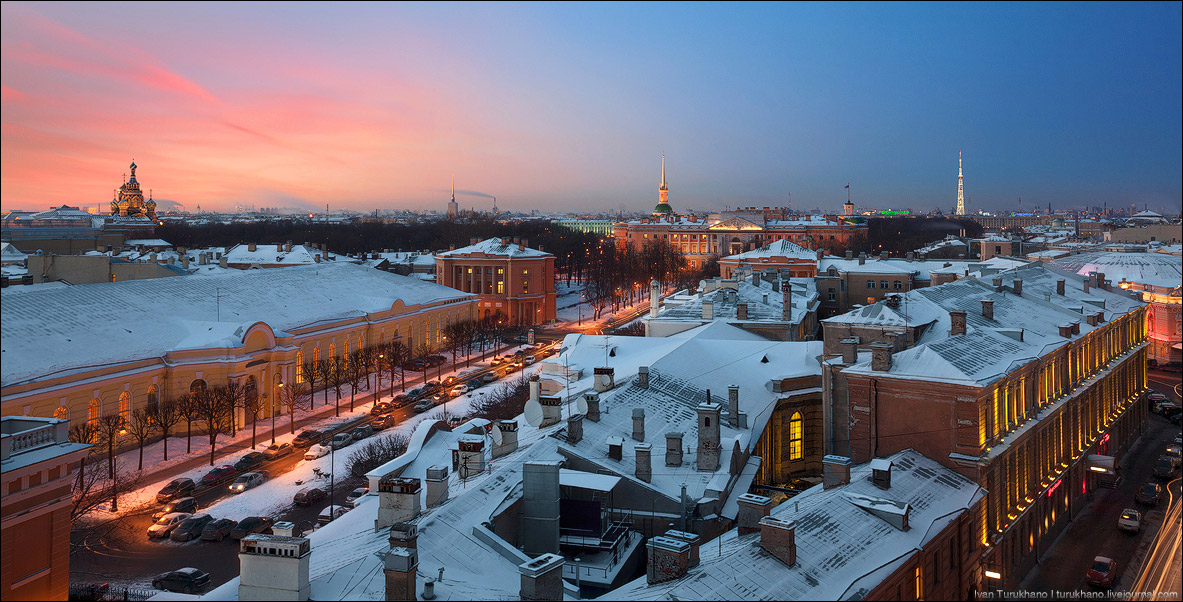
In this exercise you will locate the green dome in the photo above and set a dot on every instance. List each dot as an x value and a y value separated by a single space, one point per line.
663 208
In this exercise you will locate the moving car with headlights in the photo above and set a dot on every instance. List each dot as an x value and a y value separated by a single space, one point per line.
187 505
1130 520
247 481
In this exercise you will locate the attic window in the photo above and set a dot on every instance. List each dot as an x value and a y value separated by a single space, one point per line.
612 353
764 360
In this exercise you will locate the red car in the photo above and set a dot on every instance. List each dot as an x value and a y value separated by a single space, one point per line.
1101 574
218 474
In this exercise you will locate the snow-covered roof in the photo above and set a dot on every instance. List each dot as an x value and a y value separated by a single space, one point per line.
870 266
10 253
147 242
780 248
1155 269
843 550
495 247
47 331
764 303
268 254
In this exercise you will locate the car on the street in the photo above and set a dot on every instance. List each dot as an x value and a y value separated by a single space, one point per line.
381 408
496 361
432 385
308 496
175 489
190 528
187 581
474 384
489 377
216 475
1157 398
218 530
307 438
1149 493
247 480
187 505
1164 467
341 440
382 422
417 392
1100 574
361 432
329 513
1164 408
399 401
1173 451
424 405
458 390
1130 520
529 359
249 462
316 451
435 360
165 524
251 524
277 450
351 499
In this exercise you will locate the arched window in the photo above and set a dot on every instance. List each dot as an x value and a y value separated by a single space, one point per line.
796 437
61 412
316 353
299 366
346 351
332 350
93 410
125 407
153 395
198 387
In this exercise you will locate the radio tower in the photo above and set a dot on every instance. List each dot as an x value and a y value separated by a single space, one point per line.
960 187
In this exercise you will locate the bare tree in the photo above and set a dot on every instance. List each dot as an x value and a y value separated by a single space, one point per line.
92 488
215 408
141 429
335 377
107 431
355 368
252 405
310 371
294 397
397 355
187 408
164 416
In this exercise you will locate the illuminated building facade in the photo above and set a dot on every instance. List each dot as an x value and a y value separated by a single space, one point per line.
512 280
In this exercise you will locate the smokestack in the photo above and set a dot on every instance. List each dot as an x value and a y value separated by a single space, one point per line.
1060 287
437 486
542 578
574 429
777 538
644 460
509 439
835 471
849 254
398 501
673 448
849 350
752 508
535 385
881 357
733 405
786 297
643 377
593 405
1017 286
988 309
639 424
708 436
654 297
957 322
741 311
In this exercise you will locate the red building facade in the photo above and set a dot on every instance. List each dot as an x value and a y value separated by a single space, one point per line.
513 281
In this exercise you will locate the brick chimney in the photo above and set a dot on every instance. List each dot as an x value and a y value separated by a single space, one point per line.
862 258
273 567
752 508
471 455
222 262
673 448
708 436
693 539
574 429
1091 319
733 405
639 424
552 409
1066 331
835 471
741 311
644 460
1092 280
1060 287
849 254
820 254
1100 317
881 356
1017 286
988 309
403 535
509 439
777 537
668 559
643 377
593 405
849 350
398 501
786 309
605 379
997 282
1076 327
956 322
542 578
251 247
437 486
400 567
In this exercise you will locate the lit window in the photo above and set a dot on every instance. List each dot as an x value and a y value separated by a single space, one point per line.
299 366
92 412
500 287
125 406
61 413
316 354
796 437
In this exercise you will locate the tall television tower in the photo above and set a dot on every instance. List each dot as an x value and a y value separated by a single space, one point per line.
960 187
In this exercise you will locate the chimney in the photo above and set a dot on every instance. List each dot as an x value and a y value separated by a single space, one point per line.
472 241
881 357
222 262
316 258
741 311
644 461
639 424
777 538
673 448
437 486
911 255
752 508
535 385
1100 317
1066 331
172 261
883 256
398 501
1091 319
1101 281
470 455
523 244
755 279
733 405
654 297
862 258
540 507
273 567
279 248
542 578
786 310
850 350
988 309
956 322
552 409
185 261
835 471
574 429
849 254
881 473
1091 279
202 259
1060 287
997 282
251 247
1076 327
708 310
667 559
605 379
593 405
400 565
509 439
616 448
1017 286
152 257
643 377
403 535
691 538
708 436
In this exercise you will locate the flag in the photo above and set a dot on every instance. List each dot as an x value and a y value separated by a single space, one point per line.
848 185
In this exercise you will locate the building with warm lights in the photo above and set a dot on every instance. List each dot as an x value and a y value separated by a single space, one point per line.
779 255
511 279
82 352
1031 383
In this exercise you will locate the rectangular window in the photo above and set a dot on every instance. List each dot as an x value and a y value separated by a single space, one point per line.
833 296
500 287
870 284
525 286
883 284
898 285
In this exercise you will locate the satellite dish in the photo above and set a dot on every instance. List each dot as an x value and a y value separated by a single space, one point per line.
581 405
533 412
495 432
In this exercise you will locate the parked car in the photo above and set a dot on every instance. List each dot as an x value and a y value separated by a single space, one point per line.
316 451
218 474
1157 398
251 524
277 450
1101 573
362 432
489 377
458 390
187 581
424 405
247 481
341 440
330 512
1165 408
1164 467
1130 520
351 499
1149 493
1173 451
382 422
474 384
381 408
435 360
165 524
218 530
417 392
400 400
529 359
307 438
175 489
249 462
186 504
308 496
191 527
496 361
432 385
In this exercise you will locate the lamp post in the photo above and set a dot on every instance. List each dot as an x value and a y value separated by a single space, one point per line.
115 466
378 390
279 401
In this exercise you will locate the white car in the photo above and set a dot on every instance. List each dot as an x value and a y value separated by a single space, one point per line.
246 481
316 451
164 527
1131 520
330 512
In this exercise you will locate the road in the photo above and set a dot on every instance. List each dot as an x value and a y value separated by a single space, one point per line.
1094 531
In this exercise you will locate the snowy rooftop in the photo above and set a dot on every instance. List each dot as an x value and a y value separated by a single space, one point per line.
1155 269
51 330
494 246
780 248
265 254
843 550
764 303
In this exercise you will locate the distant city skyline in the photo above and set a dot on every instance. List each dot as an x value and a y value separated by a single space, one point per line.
569 107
